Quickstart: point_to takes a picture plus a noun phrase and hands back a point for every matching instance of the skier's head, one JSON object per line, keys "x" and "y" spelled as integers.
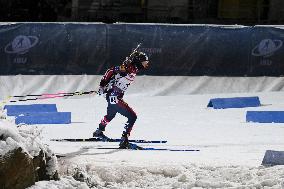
{"x": 140, "y": 60}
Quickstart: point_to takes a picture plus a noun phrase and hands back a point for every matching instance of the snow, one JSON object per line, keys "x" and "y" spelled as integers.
{"x": 231, "y": 150}
{"x": 142, "y": 86}
{"x": 67, "y": 182}
{"x": 26, "y": 138}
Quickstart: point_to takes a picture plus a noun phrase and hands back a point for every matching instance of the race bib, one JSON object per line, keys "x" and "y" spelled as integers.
{"x": 113, "y": 99}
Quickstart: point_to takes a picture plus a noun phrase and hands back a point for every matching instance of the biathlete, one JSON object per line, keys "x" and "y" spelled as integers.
{"x": 113, "y": 85}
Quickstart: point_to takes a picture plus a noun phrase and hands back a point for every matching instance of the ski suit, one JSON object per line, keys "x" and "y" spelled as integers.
{"x": 114, "y": 83}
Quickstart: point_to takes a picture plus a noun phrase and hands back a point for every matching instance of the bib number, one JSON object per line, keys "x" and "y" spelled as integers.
{"x": 113, "y": 99}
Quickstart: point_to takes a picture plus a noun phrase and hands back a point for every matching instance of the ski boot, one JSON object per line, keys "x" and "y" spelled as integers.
{"x": 100, "y": 134}
{"x": 124, "y": 143}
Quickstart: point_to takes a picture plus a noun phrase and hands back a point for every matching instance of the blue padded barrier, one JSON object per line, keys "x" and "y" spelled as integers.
{"x": 44, "y": 118}
{"x": 14, "y": 110}
{"x": 265, "y": 116}
{"x": 237, "y": 102}
{"x": 272, "y": 157}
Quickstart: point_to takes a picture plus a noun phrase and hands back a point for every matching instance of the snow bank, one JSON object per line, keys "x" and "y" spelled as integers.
{"x": 143, "y": 86}
{"x": 28, "y": 138}
{"x": 183, "y": 176}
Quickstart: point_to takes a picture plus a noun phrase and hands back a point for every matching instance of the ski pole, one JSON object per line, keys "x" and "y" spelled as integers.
{"x": 51, "y": 94}
{"x": 46, "y": 96}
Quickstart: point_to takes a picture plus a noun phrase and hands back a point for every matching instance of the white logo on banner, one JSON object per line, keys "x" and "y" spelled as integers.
{"x": 21, "y": 44}
{"x": 267, "y": 47}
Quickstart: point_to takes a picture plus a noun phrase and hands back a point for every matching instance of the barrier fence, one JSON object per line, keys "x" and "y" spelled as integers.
{"x": 186, "y": 50}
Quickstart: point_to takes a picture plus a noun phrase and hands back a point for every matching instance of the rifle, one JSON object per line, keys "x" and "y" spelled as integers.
{"x": 128, "y": 58}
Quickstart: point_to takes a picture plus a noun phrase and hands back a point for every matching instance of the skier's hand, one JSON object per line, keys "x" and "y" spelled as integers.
{"x": 101, "y": 91}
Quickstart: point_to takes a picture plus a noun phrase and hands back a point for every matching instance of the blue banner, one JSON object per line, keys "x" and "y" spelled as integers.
{"x": 190, "y": 50}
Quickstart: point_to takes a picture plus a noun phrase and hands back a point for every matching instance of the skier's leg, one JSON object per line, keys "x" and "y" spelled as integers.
{"x": 111, "y": 112}
{"x": 124, "y": 109}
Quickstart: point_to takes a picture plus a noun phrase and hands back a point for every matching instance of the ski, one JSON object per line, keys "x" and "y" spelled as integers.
{"x": 150, "y": 149}
{"x": 95, "y": 139}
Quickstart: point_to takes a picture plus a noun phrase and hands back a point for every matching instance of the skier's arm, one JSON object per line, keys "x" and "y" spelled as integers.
{"x": 106, "y": 78}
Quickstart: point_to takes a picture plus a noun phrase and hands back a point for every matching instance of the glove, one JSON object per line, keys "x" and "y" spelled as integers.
{"x": 101, "y": 91}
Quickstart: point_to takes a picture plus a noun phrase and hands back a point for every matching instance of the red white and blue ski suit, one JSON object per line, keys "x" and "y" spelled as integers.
{"x": 114, "y": 83}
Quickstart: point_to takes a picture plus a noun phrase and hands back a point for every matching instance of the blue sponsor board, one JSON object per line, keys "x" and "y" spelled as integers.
{"x": 44, "y": 118}
{"x": 273, "y": 157}
{"x": 236, "y": 102}
{"x": 265, "y": 116}
{"x": 14, "y": 110}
